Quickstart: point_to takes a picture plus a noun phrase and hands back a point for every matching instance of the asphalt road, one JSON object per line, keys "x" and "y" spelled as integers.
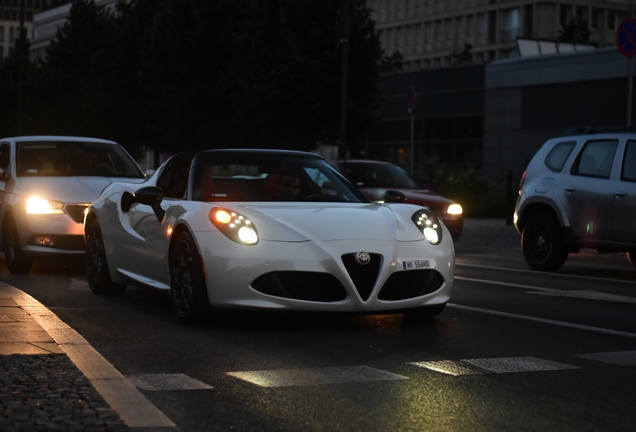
{"x": 515, "y": 350}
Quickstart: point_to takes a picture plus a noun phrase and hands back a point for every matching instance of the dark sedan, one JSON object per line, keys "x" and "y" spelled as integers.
{"x": 374, "y": 178}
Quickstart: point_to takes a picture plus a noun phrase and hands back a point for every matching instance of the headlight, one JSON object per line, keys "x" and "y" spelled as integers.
{"x": 234, "y": 225}
{"x": 35, "y": 205}
{"x": 429, "y": 225}
{"x": 454, "y": 209}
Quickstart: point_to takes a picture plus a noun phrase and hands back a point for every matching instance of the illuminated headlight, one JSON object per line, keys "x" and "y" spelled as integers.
{"x": 36, "y": 205}
{"x": 454, "y": 209}
{"x": 234, "y": 225}
{"x": 429, "y": 225}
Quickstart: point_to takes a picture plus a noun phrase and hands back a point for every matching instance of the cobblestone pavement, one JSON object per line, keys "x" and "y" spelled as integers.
{"x": 47, "y": 392}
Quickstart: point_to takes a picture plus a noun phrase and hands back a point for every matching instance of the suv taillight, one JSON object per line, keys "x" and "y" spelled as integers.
{"x": 523, "y": 177}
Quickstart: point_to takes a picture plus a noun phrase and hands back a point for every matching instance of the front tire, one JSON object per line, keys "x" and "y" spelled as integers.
{"x": 15, "y": 259}
{"x": 187, "y": 281}
{"x": 97, "y": 273}
{"x": 542, "y": 243}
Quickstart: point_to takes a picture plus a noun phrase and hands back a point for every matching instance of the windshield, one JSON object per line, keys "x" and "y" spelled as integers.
{"x": 265, "y": 177}
{"x": 380, "y": 176}
{"x": 69, "y": 159}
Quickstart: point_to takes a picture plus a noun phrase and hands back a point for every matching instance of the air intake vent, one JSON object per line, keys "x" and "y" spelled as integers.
{"x": 76, "y": 211}
{"x": 411, "y": 283}
{"x": 311, "y": 286}
{"x": 363, "y": 276}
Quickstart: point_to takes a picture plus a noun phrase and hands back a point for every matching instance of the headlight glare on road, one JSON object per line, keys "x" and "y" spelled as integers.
{"x": 429, "y": 225}
{"x": 36, "y": 205}
{"x": 234, "y": 225}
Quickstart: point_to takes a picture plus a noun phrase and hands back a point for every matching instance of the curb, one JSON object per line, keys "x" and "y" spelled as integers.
{"x": 123, "y": 397}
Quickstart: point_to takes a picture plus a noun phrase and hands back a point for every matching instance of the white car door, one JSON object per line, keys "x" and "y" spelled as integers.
{"x": 624, "y": 196}
{"x": 586, "y": 191}
{"x": 151, "y": 241}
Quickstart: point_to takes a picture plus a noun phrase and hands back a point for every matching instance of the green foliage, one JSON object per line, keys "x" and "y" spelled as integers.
{"x": 479, "y": 197}
{"x": 190, "y": 74}
{"x": 576, "y": 31}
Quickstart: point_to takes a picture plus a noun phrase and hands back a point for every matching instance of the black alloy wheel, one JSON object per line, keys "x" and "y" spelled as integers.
{"x": 15, "y": 259}
{"x": 542, "y": 243}
{"x": 187, "y": 281}
{"x": 97, "y": 273}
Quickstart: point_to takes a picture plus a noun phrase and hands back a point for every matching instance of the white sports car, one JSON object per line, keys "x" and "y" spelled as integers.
{"x": 267, "y": 229}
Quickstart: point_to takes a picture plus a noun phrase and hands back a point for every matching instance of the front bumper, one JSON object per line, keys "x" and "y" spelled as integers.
{"x": 313, "y": 276}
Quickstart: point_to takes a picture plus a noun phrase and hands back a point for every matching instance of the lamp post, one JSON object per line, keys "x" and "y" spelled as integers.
{"x": 344, "y": 72}
{"x": 20, "y": 48}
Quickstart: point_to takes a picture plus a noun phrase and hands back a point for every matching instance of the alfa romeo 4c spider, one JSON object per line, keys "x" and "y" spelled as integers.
{"x": 266, "y": 229}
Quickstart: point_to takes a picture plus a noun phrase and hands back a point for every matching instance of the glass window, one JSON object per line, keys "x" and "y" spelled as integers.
{"x": 629, "y": 162}
{"x": 69, "y": 159}
{"x": 596, "y": 158}
{"x": 558, "y": 155}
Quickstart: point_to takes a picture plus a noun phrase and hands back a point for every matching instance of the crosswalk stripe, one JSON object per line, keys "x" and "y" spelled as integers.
{"x": 159, "y": 382}
{"x": 315, "y": 376}
{"x": 493, "y": 365}
{"x": 622, "y": 358}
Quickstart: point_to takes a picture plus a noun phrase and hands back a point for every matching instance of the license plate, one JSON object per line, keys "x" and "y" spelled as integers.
{"x": 416, "y": 264}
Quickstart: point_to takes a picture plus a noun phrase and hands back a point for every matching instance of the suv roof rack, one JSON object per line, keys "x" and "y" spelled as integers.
{"x": 590, "y": 130}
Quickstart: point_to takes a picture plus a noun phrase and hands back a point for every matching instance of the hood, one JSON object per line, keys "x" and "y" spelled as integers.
{"x": 327, "y": 223}
{"x": 78, "y": 190}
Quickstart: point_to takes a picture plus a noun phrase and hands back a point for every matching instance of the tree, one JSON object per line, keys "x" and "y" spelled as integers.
{"x": 462, "y": 57}
{"x": 576, "y": 31}
{"x": 191, "y": 74}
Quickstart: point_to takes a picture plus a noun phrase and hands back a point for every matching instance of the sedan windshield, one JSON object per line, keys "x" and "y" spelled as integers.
{"x": 68, "y": 159}
{"x": 380, "y": 176}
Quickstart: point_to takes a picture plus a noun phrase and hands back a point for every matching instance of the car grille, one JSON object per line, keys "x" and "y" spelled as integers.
{"x": 363, "y": 276}
{"x": 409, "y": 284}
{"x": 311, "y": 286}
{"x": 76, "y": 211}
{"x": 67, "y": 242}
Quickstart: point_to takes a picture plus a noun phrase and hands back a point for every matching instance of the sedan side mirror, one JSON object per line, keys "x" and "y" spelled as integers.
{"x": 393, "y": 196}
{"x": 151, "y": 196}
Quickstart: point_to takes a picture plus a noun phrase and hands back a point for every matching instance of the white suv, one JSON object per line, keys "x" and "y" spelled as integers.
{"x": 579, "y": 191}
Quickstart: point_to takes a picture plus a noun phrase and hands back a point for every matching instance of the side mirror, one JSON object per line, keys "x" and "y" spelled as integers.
{"x": 393, "y": 196}
{"x": 151, "y": 196}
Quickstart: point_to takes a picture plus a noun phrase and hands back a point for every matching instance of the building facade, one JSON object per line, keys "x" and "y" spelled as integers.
{"x": 46, "y": 23}
{"x": 10, "y": 11}
{"x": 431, "y": 33}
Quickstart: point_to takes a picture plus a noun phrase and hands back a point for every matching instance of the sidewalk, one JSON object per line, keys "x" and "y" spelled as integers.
{"x": 52, "y": 379}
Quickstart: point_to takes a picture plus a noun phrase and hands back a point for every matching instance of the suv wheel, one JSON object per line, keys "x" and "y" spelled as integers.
{"x": 542, "y": 244}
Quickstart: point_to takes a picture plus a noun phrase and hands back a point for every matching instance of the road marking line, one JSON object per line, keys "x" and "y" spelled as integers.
{"x": 315, "y": 376}
{"x": 131, "y": 405}
{"x": 583, "y": 294}
{"x": 544, "y": 320}
{"x": 493, "y": 365}
{"x": 622, "y": 358}
{"x": 535, "y": 272}
{"x": 160, "y": 382}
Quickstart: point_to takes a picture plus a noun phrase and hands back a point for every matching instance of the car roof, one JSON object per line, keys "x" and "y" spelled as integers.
{"x": 361, "y": 161}
{"x": 262, "y": 152}
{"x": 27, "y": 138}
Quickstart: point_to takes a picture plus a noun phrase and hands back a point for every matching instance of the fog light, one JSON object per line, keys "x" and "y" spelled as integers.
{"x": 44, "y": 241}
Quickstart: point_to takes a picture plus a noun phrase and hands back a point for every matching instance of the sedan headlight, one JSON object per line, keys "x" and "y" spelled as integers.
{"x": 234, "y": 225}
{"x": 35, "y": 205}
{"x": 454, "y": 209}
{"x": 429, "y": 225}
